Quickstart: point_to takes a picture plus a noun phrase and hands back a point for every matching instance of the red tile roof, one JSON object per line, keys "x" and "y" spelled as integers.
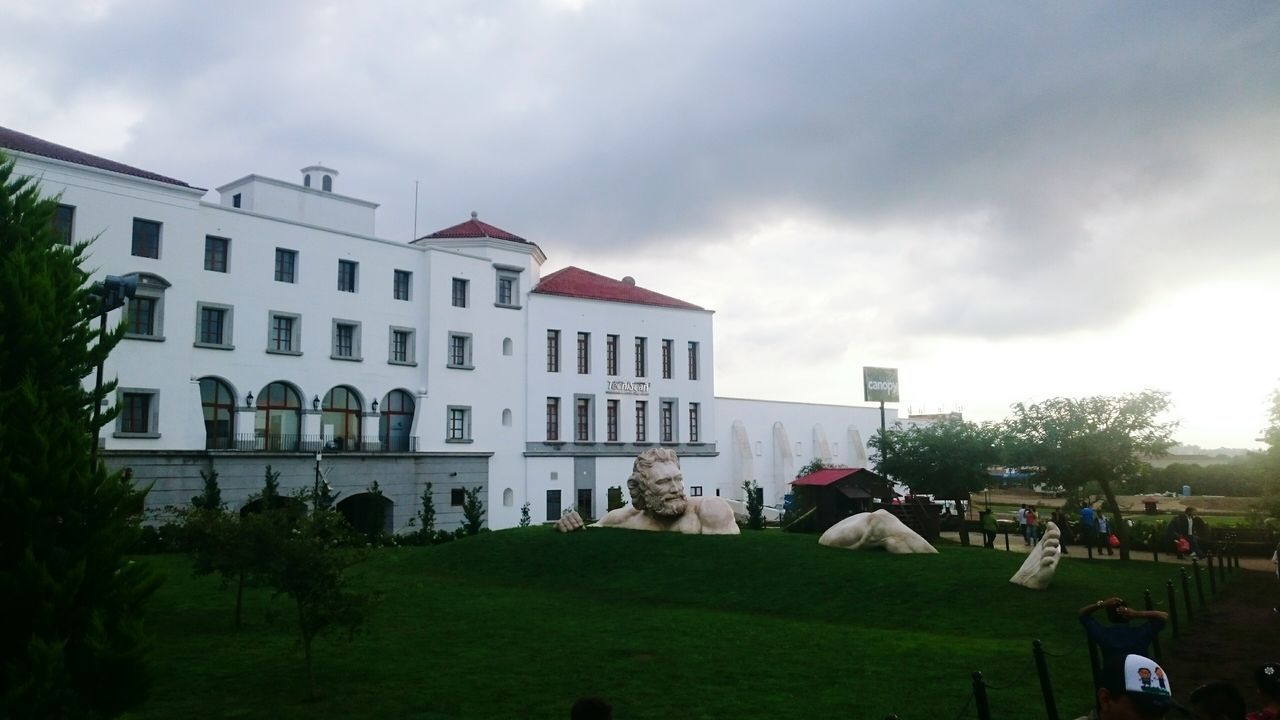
{"x": 21, "y": 142}
{"x": 826, "y": 476}
{"x": 579, "y": 283}
{"x": 475, "y": 228}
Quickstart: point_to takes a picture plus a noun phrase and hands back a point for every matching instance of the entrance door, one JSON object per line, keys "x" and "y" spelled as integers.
{"x": 585, "y": 506}
{"x": 584, "y": 483}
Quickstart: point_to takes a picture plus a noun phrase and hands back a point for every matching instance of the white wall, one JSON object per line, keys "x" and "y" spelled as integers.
{"x": 780, "y": 438}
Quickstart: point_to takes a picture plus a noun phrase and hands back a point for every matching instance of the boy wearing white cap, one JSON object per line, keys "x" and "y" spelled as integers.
{"x": 1134, "y": 687}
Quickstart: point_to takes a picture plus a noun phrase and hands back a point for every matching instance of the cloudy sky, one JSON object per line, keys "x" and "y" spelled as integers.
{"x": 1007, "y": 201}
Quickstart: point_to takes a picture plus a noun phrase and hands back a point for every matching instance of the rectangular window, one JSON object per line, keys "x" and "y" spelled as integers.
{"x": 642, "y": 421}
{"x": 508, "y": 287}
{"x": 642, "y": 346}
{"x": 212, "y": 325}
{"x": 459, "y": 350}
{"x": 695, "y": 491}
{"x": 668, "y": 421}
{"x": 344, "y": 340}
{"x": 401, "y": 280}
{"x": 459, "y": 424}
{"x": 611, "y": 354}
{"x": 135, "y": 413}
{"x": 457, "y": 496}
{"x": 584, "y": 353}
{"x": 553, "y": 419}
{"x": 612, "y": 421}
{"x": 582, "y": 420}
{"x": 142, "y": 316}
{"x": 693, "y": 422}
{"x": 139, "y": 413}
{"x": 146, "y": 238}
{"x": 64, "y": 222}
{"x": 693, "y": 361}
{"x": 401, "y": 346}
{"x": 286, "y": 265}
{"x": 459, "y": 293}
{"x": 553, "y": 505}
{"x": 667, "y": 347}
{"x": 347, "y": 275}
{"x": 553, "y": 351}
{"x": 215, "y": 253}
{"x": 235, "y": 200}
{"x": 284, "y": 333}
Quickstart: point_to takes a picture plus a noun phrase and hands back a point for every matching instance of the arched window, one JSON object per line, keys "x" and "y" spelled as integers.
{"x": 340, "y": 419}
{"x": 326, "y": 183}
{"x": 506, "y": 417}
{"x": 506, "y": 346}
{"x": 278, "y": 422}
{"x": 306, "y": 180}
{"x": 219, "y": 403}
{"x": 508, "y": 498}
{"x": 395, "y": 421}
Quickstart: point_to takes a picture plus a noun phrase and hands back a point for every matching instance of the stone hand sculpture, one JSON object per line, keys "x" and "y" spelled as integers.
{"x": 658, "y": 502}
{"x": 569, "y": 522}
{"x": 879, "y": 529}
{"x": 1037, "y": 571}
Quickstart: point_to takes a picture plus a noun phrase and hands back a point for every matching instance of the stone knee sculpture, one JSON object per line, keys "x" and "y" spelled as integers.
{"x": 879, "y": 529}
{"x": 1037, "y": 570}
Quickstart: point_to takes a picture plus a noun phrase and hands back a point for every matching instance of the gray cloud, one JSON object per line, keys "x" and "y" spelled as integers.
{"x": 633, "y": 125}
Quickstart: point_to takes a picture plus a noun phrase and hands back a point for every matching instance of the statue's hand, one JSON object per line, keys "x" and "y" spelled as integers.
{"x": 570, "y": 522}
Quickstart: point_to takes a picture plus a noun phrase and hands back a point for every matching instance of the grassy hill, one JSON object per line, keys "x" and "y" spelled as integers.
{"x": 519, "y": 623}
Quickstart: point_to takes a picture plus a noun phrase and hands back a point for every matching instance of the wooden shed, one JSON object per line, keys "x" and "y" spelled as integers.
{"x": 837, "y": 493}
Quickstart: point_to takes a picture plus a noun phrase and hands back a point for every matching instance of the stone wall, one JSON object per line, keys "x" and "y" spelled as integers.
{"x": 175, "y": 478}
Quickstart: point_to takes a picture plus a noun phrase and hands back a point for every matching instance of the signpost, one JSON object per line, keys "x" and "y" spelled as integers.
{"x": 880, "y": 385}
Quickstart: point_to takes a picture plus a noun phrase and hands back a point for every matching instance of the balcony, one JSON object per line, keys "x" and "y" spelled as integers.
{"x": 309, "y": 444}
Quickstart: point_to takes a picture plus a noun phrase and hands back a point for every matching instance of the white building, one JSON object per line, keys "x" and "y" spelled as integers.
{"x": 273, "y": 327}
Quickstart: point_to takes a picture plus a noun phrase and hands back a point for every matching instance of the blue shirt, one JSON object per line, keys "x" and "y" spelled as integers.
{"x": 1086, "y": 517}
{"x": 1122, "y": 638}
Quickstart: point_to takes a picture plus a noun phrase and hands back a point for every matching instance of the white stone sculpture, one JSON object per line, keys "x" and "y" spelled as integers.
{"x": 1037, "y": 571}
{"x": 658, "y": 502}
{"x": 879, "y": 529}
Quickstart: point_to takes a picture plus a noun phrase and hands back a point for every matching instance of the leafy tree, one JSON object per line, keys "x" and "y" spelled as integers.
{"x": 524, "y": 515}
{"x": 427, "y": 515}
{"x": 472, "y": 511}
{"x": 755, "y": 505}
{"x": 211, "y": 497}
{"x": 309, "y": 568}
{"x": 1070, "y": 442}
{"x": 949, "y": 458}
{"x": 71, "y": 644}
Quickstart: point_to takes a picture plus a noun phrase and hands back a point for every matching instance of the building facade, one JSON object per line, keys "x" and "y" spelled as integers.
{"x": 271, "y": 326}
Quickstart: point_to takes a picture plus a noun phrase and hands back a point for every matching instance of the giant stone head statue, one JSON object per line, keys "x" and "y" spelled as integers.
{"x": 656, "y": 485}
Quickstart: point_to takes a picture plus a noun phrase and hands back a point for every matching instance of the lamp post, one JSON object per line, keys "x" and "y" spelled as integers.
{"x": 113, "y": 292}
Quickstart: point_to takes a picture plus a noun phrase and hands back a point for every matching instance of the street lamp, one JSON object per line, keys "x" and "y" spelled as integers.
{"x": 113, "y": 292}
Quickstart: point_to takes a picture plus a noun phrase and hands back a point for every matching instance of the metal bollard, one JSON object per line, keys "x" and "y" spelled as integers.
{"x": 1222, "y": 570}
{"x": 1046, "y": 687}
{"x": 1006, "y": 540}
{"x": 1155, "y": 553}
{"x": 1155, "y": 639}
{"x": 1213, "y": 580}
{"x": 1173, "y": 608}
{"x": 1195, "y": 567}
{"x": 980, "y": 697}
{"x": 1090, "y": 549}
{"x": 1186, "y": 595}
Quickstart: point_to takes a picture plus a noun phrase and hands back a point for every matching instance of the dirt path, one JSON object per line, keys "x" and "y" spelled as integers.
{"x": 1237, "y": 633}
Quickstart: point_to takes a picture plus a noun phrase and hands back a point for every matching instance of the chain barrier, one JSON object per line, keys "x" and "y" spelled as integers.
{"x": 964, "y": 709}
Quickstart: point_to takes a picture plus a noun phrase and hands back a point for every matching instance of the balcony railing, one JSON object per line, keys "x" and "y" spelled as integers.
{"x": 273, "y": 442}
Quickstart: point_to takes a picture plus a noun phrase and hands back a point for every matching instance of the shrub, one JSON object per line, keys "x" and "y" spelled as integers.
{"x": 472, "y": 511}
{"x": 755, "y": 505}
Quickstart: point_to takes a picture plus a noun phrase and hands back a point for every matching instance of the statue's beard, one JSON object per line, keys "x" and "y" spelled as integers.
{"x": 666, "y": 507}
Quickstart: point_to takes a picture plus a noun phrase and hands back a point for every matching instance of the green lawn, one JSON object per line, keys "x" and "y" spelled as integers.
{"x": 519, "y": 623}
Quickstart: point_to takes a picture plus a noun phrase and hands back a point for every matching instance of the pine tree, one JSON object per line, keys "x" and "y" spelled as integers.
{"x": 211, "y": 497}
{"x": 427, "y": 515}
{"x": 472, "y": 511}
{"x": 71, "y": 640}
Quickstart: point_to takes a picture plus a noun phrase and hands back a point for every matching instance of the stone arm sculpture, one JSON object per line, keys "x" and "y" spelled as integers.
{"x": 570, "y": 522}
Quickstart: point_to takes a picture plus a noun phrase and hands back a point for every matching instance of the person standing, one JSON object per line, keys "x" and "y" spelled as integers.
{"x": 989, "y": 528}
{"x": 1104, "y": 534}
{"x": 1065, "y": 535}
{"x": 1022, "y": 524}
{"x": 1087, "y": 523}
{"x": 1033, "y": 527}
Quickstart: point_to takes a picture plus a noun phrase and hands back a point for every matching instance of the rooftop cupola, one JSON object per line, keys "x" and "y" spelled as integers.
{"x": 318, "y": 177}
